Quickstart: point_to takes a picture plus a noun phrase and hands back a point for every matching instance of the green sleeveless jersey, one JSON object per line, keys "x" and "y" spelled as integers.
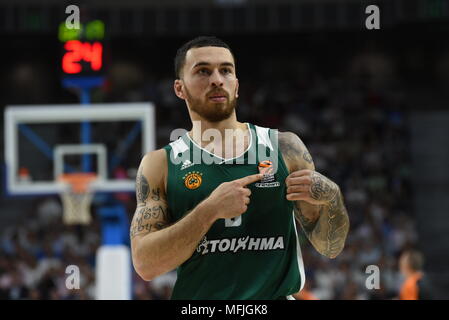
{"x": 253, "y": 256}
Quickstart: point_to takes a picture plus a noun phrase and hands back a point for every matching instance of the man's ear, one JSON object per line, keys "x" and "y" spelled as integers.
{"x": 237, "y": 89}
{"x": 178, "y": 86}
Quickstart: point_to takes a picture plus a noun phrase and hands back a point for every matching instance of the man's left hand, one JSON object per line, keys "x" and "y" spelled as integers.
{"x": 310, "y": 186}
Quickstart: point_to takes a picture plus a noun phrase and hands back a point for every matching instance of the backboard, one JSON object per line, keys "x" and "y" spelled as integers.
{"x": 44, "y": 141}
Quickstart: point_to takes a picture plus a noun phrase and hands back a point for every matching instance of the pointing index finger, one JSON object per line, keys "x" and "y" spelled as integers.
{"x": 249, "y": 179}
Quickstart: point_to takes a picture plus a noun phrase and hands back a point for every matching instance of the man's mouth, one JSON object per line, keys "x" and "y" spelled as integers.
{"x": 218, "y": 98}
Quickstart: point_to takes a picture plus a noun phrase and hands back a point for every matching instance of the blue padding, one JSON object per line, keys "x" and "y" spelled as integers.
{"x": 114, "y": 224}
{"x": 82, "y": 82}
{"x": 86, "y": 131}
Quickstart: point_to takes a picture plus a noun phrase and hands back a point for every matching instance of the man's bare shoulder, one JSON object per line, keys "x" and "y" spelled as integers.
{"x": 156, "y": 157}
{"x": 154, "y": 167}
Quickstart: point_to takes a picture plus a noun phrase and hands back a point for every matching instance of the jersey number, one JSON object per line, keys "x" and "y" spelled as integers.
{"x": 233, "y": 222}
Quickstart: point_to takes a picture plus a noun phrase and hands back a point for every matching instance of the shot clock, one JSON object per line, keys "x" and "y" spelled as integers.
{"x": 83, "y": 49}
{"x": 82, "y": 57}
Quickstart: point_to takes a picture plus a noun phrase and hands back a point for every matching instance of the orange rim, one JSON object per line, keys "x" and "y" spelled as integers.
{"x": 79, "y": 181}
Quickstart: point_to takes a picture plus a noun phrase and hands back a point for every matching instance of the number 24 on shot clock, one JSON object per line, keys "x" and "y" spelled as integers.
{"x": 83, "y": 49}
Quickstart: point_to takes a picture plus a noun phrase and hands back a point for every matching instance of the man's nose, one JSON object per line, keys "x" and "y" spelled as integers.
{"x": 216, "y": 79}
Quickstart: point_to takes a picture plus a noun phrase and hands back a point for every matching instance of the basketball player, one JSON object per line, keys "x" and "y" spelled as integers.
{"x": 229, "y": 227}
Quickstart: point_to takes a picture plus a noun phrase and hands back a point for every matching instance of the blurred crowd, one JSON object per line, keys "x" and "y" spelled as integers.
{"x": 355, "y": 127}
{"x": 35, "y": 254}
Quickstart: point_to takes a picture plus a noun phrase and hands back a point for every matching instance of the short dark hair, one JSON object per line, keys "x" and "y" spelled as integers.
{"x": 198, "y": 42}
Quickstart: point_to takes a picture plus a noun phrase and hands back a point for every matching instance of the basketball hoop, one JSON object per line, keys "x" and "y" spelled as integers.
{"x": 76, "y": 198}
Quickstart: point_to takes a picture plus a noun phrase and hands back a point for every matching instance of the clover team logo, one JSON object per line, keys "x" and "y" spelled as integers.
{"x": 193, "y": 180}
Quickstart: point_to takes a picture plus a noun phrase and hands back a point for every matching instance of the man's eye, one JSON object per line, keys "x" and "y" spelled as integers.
{"x": 226, "y": 70}
{"x": 203, "y": 71}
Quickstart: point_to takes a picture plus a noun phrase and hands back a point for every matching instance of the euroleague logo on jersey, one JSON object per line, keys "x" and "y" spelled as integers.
{"x": 193, "y": 180}
{"x": 265, "y": 167}
{"x": 268, "y": 180}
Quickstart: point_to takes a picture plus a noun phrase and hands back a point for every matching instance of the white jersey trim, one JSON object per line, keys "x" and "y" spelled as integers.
{"x": 264, "y": 137}
{"x": 225, "y": 160}
{"x": 299, "y": 256}
{"x": 178, "y": 146}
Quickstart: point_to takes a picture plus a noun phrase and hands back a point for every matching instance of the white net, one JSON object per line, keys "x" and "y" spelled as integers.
{"x": 77, "y": 198}
{"x": 76, "y": 207}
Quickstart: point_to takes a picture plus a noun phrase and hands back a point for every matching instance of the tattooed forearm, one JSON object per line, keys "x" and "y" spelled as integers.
{"x": 328, "y": 233}
{"x": 331, "y": 229}
{"x": 337, "y": 226}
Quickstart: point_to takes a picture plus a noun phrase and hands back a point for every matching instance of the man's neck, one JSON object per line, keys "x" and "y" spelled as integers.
{"x": 200, "y": 124}
{"x": 213, "y": 135}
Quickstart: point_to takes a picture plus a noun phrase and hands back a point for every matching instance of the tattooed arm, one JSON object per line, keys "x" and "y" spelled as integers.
{"x": 158, "y": 247}
{"x": 319, "y": 205}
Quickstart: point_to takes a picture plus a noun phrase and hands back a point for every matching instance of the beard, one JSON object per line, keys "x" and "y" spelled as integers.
{"x": 212, "y": 111}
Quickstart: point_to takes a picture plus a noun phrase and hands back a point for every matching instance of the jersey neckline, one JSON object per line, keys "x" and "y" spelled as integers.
{"x": 223, "y": 160}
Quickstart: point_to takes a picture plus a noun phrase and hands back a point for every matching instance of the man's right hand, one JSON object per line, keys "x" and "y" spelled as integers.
{"x": 231, "y": 199}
